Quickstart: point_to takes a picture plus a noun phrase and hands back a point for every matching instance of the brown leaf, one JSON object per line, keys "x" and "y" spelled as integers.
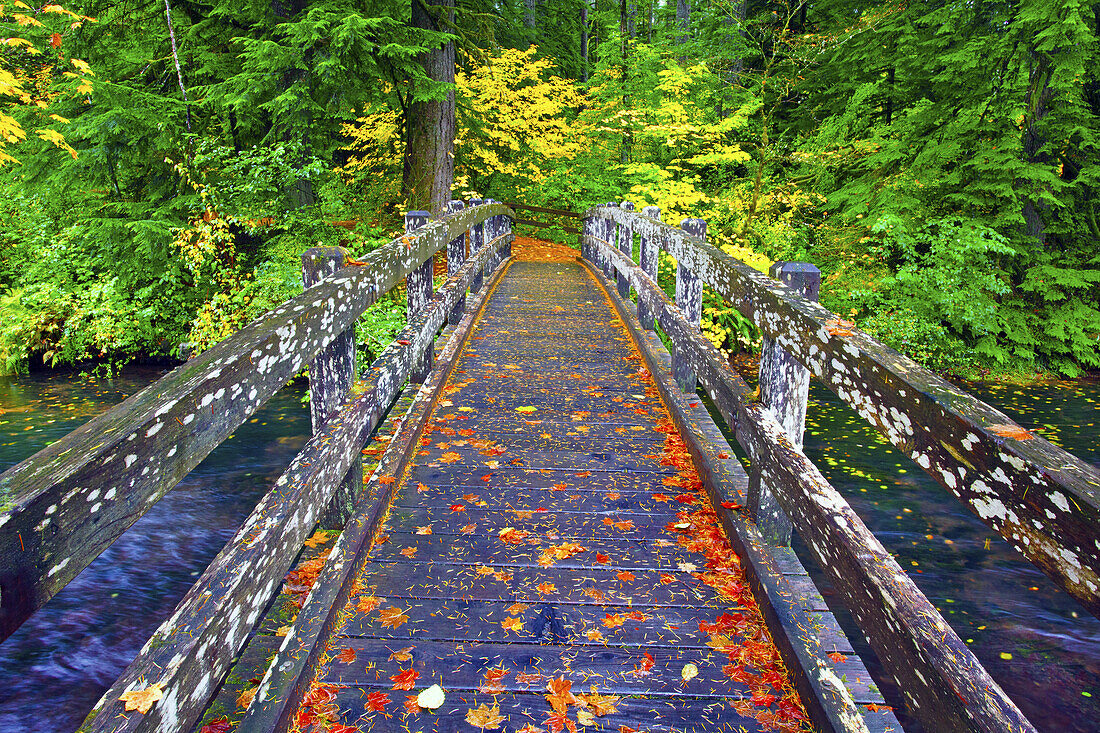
{"x": 245, "y": 698}
{"x": 560, "y": 697}
{"x": 392, "y": 617}
{"x": 450, "y": 457}
{"x": 1010, "y": 431}
{"x": 485, "y": 717}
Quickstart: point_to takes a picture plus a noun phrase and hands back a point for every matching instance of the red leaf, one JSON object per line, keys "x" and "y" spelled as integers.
{"x": 347, "y": 656}
{"x": 377, "y": 701}
{"x": 404, "y": 680}
{"x": 217, "y": 725}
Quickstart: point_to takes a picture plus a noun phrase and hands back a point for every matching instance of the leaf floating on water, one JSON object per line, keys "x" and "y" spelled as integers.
{"x": 142, "y": 700}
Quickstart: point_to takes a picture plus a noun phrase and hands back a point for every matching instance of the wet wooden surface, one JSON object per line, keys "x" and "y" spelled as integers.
{"x": 548, "y": 530}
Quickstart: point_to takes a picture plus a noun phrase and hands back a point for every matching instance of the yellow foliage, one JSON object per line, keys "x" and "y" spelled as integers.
{"x": 525, "y": 116}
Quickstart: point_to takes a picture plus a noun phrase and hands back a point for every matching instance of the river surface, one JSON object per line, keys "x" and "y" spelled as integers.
{"x": 1040, "y": 645}
{"x": 59, "y": 662}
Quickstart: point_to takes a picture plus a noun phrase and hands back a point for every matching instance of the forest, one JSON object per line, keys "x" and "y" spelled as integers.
{"x": 165, "y": 163}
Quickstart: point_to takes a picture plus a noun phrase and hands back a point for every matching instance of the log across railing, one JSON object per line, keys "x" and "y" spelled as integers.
{"x": 1039, "y": 497}
{"x": 67, "y": 503}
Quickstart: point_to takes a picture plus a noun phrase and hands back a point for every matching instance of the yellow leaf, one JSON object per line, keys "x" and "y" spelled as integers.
{"x": 142, "y": 700}
{"x": 431, "y": 698}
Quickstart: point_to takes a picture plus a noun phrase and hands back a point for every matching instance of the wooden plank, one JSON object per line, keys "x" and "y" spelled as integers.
{"x": 1043, "y": 500}
{"x": 651, "y": 714}
{"x": 193, "y": 649}
{"x": 594, "y": 496}
{"x": 947, "y": 686}
{"x": 287, "y": 679}
{"x": 581, "y": 624}
{"x": 62, "y": 506}
{"x": 801, "y": 626}
{"x": 568, "y": 525}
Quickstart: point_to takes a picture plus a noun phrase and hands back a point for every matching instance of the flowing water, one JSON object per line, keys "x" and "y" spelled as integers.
{"x": 56, "y": 666}
{"x": 1041, "y": 646}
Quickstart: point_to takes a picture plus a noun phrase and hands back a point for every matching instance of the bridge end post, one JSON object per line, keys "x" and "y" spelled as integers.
{"x": 647, "y": 258}
{"x": 331, "y": 375}
{"x": 626, "y": 246}
{"x": 785, "y": 390}
{"x": 609, "y": 237}
{"x": 418, "y": 292}
{"x": 689, "y": 299}
{"x": 477, "y": 241}
{"x": 456, "y": 256}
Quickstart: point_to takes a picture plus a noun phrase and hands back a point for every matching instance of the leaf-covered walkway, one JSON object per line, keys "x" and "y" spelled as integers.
{"x": 550, "y": 558}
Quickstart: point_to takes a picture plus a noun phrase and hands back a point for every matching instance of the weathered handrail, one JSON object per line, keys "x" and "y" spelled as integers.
{"x": 62, "y": 507}
{"x": 193, "y": 650}
{"x": 1043, "y": 500}
{"x": 945, "y": 685}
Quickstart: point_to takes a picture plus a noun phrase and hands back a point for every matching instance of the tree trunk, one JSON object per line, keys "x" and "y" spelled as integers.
{"x": 529, "y": 13}
{"x": 683, "y": 20}
{"x": 584, "y": 40}
{"x": 624, "y": 33}
{"x": 1038, "y": 101}
{"x": 298, "y": 191}
{"x": 430, "y": 125}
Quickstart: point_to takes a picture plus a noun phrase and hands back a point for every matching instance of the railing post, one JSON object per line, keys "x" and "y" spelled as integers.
{"x": 689, "y": 299}
{"x": 647, "y": 258}
{"x": 587, "y": 229}
{"x": 608, "y": 236}
{"x": 492, "y": 231}
{"x": 456, "y": 255}
{"x": 785, "y": 390}
{"x": 477, "y": 241}
{"x": 418, "y": 291}
{"x": 331, "y": 375}
{"x": 626, "y": 246}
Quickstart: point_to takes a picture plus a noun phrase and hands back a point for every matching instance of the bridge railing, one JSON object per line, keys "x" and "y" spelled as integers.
{"x": 1040, "y": 498}
{"x": 67, "y": 503}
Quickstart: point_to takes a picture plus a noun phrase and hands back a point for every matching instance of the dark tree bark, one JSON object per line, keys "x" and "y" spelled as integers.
{"x": 430, "y": 125}
{"x": 625, "y": 23}
{"x": 1038, "y": 104}
{"x": 529, "y": 13}
{"x": 584, "y": 40}
{"x": 683, "y": 19}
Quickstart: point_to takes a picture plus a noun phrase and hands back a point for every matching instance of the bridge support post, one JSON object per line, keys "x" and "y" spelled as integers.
{"x": 477, "y": 241}
{"x": 456, "y": 255}
{"x": 331, "y": 375}
{"x": 418, "y": 291}
{"x": 492, "y": 231}
{"x": 647, "y": 258}
{"x": 689, "y": 299}
{"x": 626, "y": 246}
{"x": 609, "y": 237}
{"x": 785, "y": 390}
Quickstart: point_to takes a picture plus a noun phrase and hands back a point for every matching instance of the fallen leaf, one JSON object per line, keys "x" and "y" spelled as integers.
{"x": 245, "y": 698}
{"x": 431, "y": 698}
{"x": 467, "y": 528}
{"x": 426, "y": 529}
{"x": 560, "y": 697}
{"x": 402, "y": 655}
{"x": 377, "y": 701}
{"x": 142, "y": 700}
{"x": 319, "y": 537}
{"x": 601, "y": 704}
{"x": 512, "y": 623}
{"x": 408, "y": 551}
{"x": 613, "y": 620}
{"x": 347, "y": 656}
{"x": 516, "y": 608}
{"x": 1010, "y": 431}
{"x": 491, "y": 684}
{"x": 547, "y": 588}
{"x": 404, "y": 680}
{"x": 625, "y": 576}
{"x": 387, "y": 480}
{"x": 456, "y": 508}
{"x": 837, "y": 657}
{"x": 527, "y": 409}
{"x": 282, "y": 631}
{"x": 689, "y": 672}
{"x": 217, "y": 725}
{"x": 594, "y": 635}
{"x": 450, "y": 457}
{"x": 512, "y": 536}
{"x": 392, "y": 617}
{"x": 485, "y": 717}
{"x": 367, "y": 604}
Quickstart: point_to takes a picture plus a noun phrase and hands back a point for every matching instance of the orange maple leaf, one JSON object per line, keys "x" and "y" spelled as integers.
{"x": 666, "y": 578}
{"x": 613, "y": 620}
{"x": 142, "y": 700}
{"x": 402, "y": 655}
{"x": 485, "y": 717}
{"x": 625, "y": 525}
{"x": 347, "y": 656}
{"x": 387, "y": 480}
{"x": 456, "y": 508}
{"x": 626, "y": 576}
{"x": 560, "y": 697}
{"x": 512, "y": 623}
{"x": 491, "y": 685}
{"x": 404, "y": 680}
{"x": 1010, "y": 431}
{"x": 467, "y": 528}
{"x": 516, "y": 608}
{"x": 367, "y": 604}
{"x": 377, "y": 701}
{"x": 547, "y": 588}
{"x": 450, "y": 457}
{"x": 408, "y": 551}
{"x": 392, "y": 617}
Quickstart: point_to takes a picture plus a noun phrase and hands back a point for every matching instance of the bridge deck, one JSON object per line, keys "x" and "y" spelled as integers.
{"x": 552, "y": 528}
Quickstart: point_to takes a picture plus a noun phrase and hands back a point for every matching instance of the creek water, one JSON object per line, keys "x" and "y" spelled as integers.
{"x": 1040, "y": 645}
{"x": 60, "y": 661}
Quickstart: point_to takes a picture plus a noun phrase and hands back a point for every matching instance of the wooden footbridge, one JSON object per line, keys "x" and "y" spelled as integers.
{"x": 552, "y": 533}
